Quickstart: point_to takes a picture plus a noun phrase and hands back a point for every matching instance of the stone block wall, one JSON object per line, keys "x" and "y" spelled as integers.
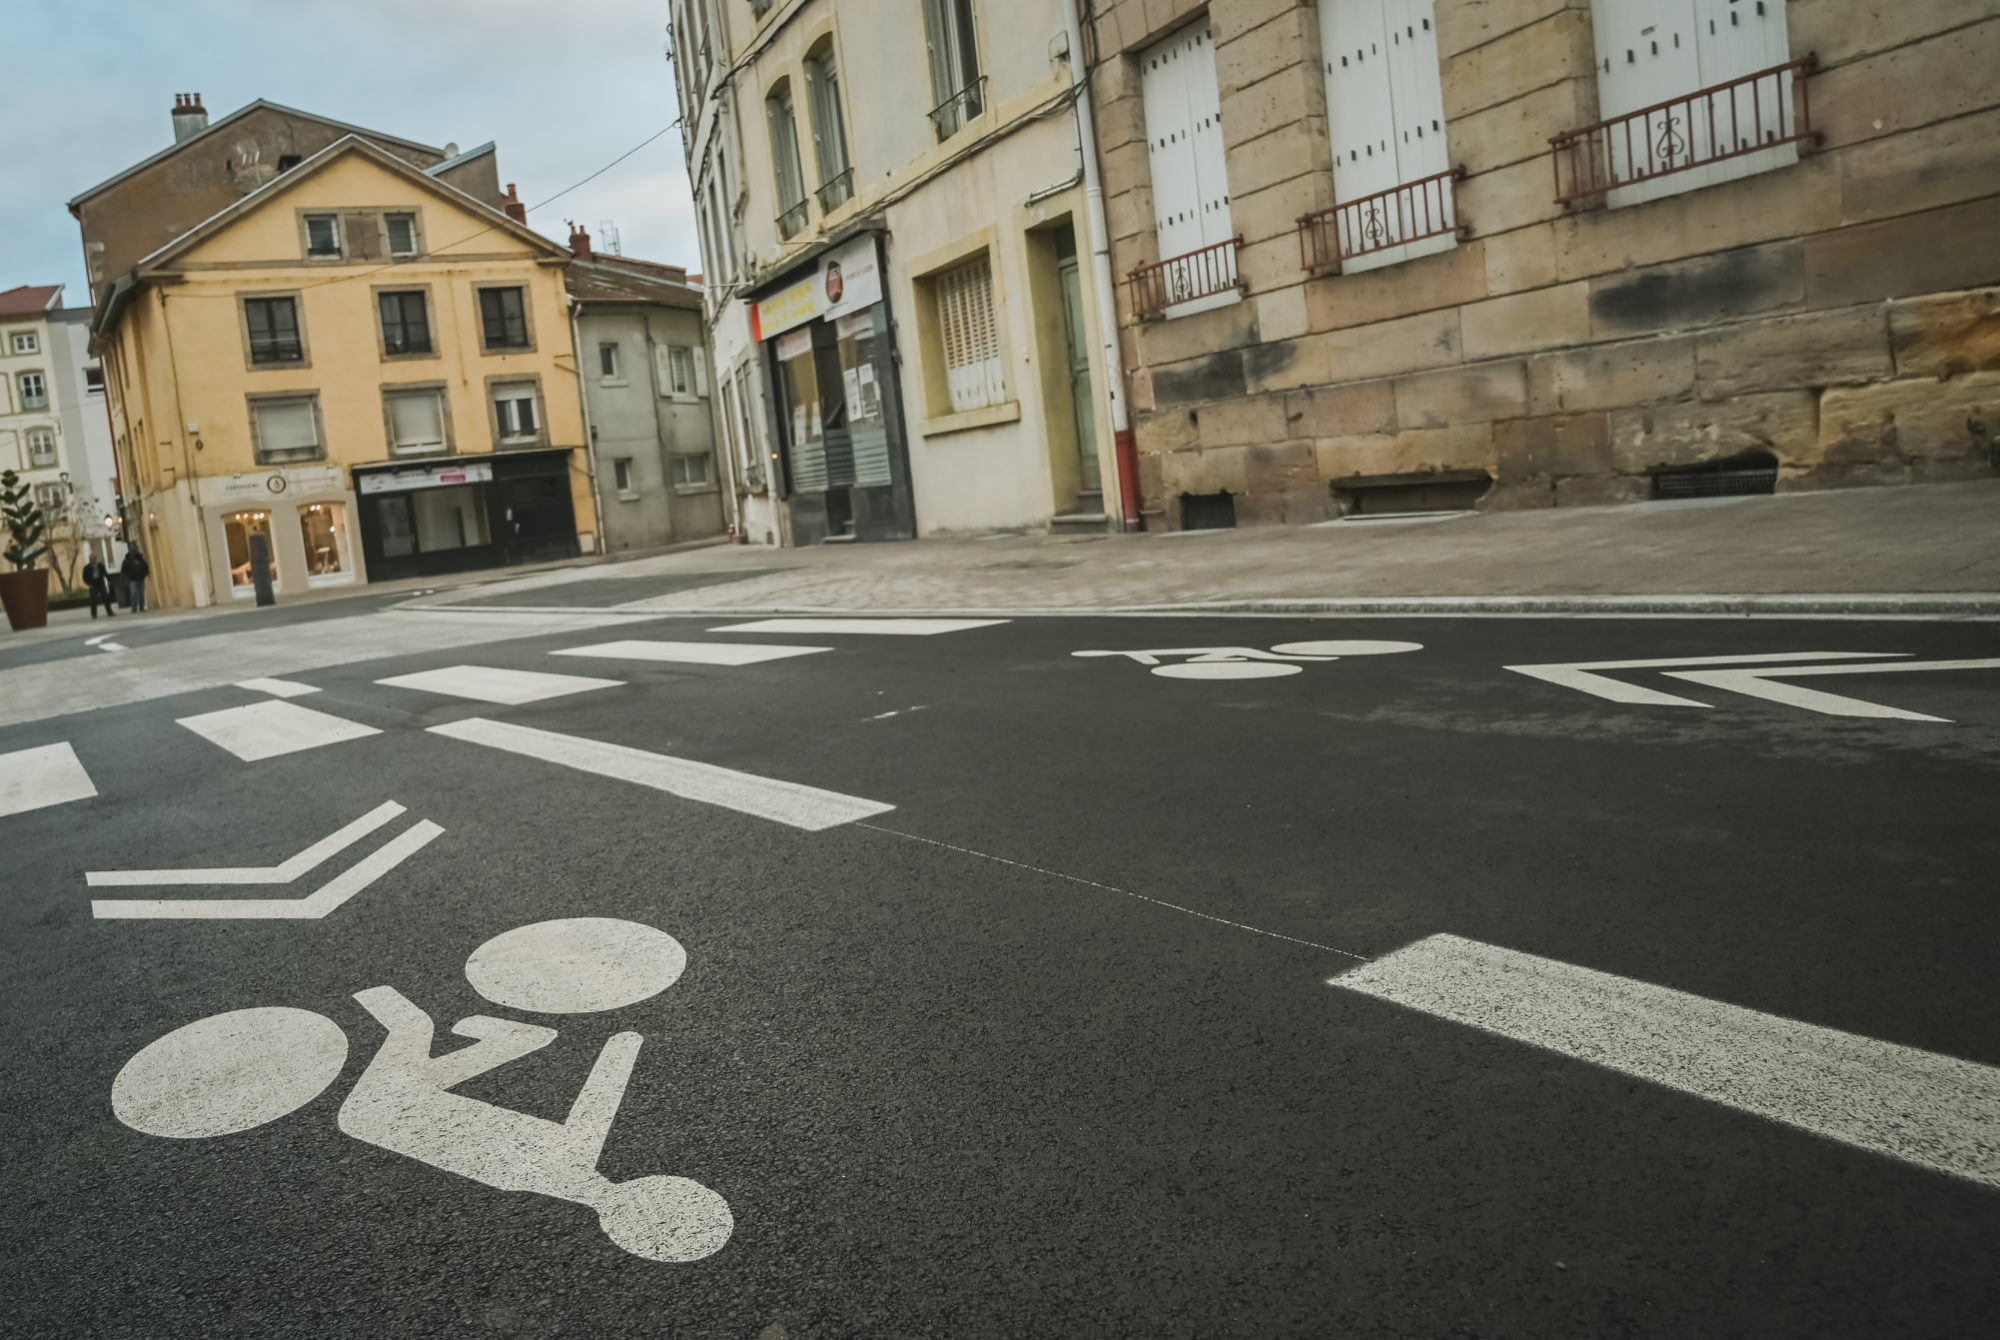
{"x": 1841, "y": 313}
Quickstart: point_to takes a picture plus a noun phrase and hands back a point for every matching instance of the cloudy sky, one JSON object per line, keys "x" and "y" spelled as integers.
{"x": 564, "y": 88}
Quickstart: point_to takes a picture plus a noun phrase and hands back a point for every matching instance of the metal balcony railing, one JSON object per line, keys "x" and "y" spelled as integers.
{"x": 794, "y": 219}
{"x": 1178, "y": 279}
{"x": 1758, "y": 112}
{"x": 950, "y": 115}
{"x": 835, "y": 191}
{"x": 1412, "y": 212}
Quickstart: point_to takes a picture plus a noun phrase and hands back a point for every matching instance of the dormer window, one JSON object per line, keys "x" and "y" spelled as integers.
{"x": 323, "y": 236}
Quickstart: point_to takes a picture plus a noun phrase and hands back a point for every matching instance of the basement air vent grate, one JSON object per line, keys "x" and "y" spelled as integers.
{"x": 1743, "y": 476}
{"x": 1208, "y": 511}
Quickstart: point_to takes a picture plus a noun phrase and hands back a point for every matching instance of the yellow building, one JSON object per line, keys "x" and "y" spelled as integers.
{"x": 356, "y": 368}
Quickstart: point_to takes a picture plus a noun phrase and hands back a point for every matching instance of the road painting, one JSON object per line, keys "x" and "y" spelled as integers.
{"x": 1287, "y": 658}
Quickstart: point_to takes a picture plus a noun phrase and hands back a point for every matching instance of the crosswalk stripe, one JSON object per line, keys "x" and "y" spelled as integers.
{"x": 277, "y": 688}
{"x": 789, "y": 803}
{"x": 34, "y": 779}
{"x": 266, "y": 730}
{"x": 1938, "y": 1112}
{"x": 491, "y": 684}
{"x": 690, "y": 653}
{"x": 871, "y": 627}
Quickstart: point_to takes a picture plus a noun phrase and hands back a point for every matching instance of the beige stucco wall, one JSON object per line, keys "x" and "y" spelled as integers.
{"x": 179, "y": 373}
{"x": 1839, "y": 313}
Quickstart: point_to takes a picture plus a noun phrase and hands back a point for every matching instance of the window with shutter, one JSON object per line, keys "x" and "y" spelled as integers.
{"x": 1653, "y": 51}
{"x": 1385, "y": 108}
{"x": 970, "y": 336}
{"x": 1185, "y": 152}
{"x": 416, "y": 422}
{"x": 286, "y": 429}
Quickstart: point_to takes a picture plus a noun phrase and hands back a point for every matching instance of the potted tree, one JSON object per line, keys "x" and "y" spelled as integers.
{"x": 24, "y": 591}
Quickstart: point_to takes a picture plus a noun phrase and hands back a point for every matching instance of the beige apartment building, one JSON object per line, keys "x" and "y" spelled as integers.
{"x": 909, "y": 301}
{"x": 1388, "y": 255}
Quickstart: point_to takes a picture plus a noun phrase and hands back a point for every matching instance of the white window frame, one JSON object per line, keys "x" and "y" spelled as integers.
{"x": 621, "y": 476}
{"x": 609, "y": 370}
{"x": 968, "y": 325}
{"x": 397, "y": 447}
{"x": 291, "y": 455}
{"x": 40, "y": 392}
{"x": 683, "y": 375}
{"x": 514, "y": 393}
{"x": 389, "y": 236}
{"x": 332, "y": 221}
{"x": 681, "y": 460}
{"x": 26, "y": 342}
{"x": 53, "y": 455}
{"x": 1184, "y": 150}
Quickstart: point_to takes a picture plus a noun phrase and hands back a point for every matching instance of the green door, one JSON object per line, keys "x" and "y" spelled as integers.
{"x": 1079, "y": 370}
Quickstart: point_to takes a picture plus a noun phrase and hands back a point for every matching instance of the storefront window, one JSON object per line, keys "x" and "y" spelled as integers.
{"x": 237, "y": 530}
{"x": 323, "y": 527}
{"x": 865, "y": 422}
{"x": 453, "y": 518}
{"x": 800, "y": 384}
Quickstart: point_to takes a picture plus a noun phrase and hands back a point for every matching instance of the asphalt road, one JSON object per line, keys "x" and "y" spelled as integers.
{"x": 1058, "y": 1045}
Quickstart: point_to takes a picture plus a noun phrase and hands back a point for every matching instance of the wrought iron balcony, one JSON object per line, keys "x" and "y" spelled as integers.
{"x": 950, "y": 116}
{"x": 794, "y": 219}
{"x": 1411, "y": 212}
{"x": 1756, "y": 113}
{"x": 836, "y": 191}
{"x": 1197, "y": 274}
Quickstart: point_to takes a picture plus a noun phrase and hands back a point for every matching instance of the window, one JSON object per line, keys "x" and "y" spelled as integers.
{"x": 286, "y": 162}
{"x": 792, "y": 212}
{"x": 93, "y": 379}
{"x": 34, "y": 391}
{"x": 1654, "y": 51}
{"x": 514, "y": 413}
{"x": 274, "y": 330}
{"x": 970, "y": 337}
{"x": 957, "y": 93}
{"x": 621, "y": 472}
{"x": 503, "y": 316}
{"x": 1385, "y": 108}
{"x": 41, "y": 448}
{"x": 692, "y": 472}
{"x": 836, "y": 177}
{"x": 323, "y": 529}
{"x": 27, "y": 342}
{"x": 682, "y": 375}
{"x": 51, "y": 498}
{"x": 285, "y": 429}
{"x": 406, "y": 324}
{"x": 238, "y": 530}
{"x": 1184, "y": 151}
{"x": 402, "y": 230}
{"x": 323, "y": 236}
{"x": 753, "y": 446}
{"x": 607, "y": 361}
{"x": 416, "y": 421}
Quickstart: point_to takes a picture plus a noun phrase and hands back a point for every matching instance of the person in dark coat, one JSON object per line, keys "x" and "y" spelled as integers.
{"x": 136, "y": 570}
{"x": 98, "y": 578}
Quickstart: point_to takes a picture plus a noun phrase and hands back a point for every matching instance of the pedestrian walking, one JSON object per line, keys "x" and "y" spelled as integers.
{"x": 136, "y": 570}
{"x": 98, "y": 578}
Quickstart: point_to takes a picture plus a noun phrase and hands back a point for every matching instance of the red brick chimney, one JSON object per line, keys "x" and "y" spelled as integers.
{"x": 579, "y": 242}
{"x": 190, "y": 117}
{"x": 516, "y": 211}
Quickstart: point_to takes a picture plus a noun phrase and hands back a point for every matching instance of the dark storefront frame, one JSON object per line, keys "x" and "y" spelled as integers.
{"x": 525, "y": 514}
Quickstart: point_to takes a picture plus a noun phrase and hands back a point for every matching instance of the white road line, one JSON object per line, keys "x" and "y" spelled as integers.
{"x": 788, "y": 803}
{"x": 1578, "y": 675}
{"x": 266, "y": 730}
{"x": 34, "y": 779}
{"x": 101, "y": 637}
{"x": 690, "y": 653}
{"x": 306, "y": 861}
{"x": 1760, "y": 684}
{"x": 309, "y": 908}
{"x": 112, "y": 646}
{"x": 490, "y": 684}
{"x": 872, "y": 627}
{"x": 1938, "y": 1112}
{"x": 277, "y": 688}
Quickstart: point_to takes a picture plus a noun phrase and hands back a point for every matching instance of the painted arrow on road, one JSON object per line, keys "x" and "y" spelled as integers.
{"x": 1754, "y": 677}
{"x": 1759, "y": 684}
{"x": 1583, "y": 677}
{"x": 311, "y": 907}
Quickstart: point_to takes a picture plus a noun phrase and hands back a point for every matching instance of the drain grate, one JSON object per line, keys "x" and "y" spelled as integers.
{"x": 1208, "y": 511}
{"x": 1738, "y": 477}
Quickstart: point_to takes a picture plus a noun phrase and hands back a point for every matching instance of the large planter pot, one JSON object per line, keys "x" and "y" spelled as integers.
{"x": 26, "y": 596}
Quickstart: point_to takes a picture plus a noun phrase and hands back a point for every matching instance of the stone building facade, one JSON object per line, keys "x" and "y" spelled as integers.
{"x": 1816, "y": 310}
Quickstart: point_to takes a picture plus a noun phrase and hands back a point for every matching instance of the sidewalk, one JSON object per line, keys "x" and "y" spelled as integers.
{"x": 1938, "y": 543}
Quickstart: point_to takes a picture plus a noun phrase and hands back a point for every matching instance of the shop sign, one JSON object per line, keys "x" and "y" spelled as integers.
{"x": 848, "y": 279}
{"x": 437, "y": 477}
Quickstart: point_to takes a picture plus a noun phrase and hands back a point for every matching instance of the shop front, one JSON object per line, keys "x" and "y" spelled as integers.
{"x": 467, "y": 513}
{"x": 303, "y": 517}
{"x": 843, "y": 459}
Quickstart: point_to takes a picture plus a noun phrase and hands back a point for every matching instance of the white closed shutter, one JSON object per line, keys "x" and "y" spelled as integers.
{"x": 418, "y": 420}
{"x": 1653, "y": 51}
{"x": 1385, "y": 103}
{"x": 287, "y": 430}
{"x": 1188, "y": 159}
{"x": 970, "y": 335}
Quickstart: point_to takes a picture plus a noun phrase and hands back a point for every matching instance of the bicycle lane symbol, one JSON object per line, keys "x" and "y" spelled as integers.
{"x": 1287, "y": 658}
{"x": 232, "y": 1072}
